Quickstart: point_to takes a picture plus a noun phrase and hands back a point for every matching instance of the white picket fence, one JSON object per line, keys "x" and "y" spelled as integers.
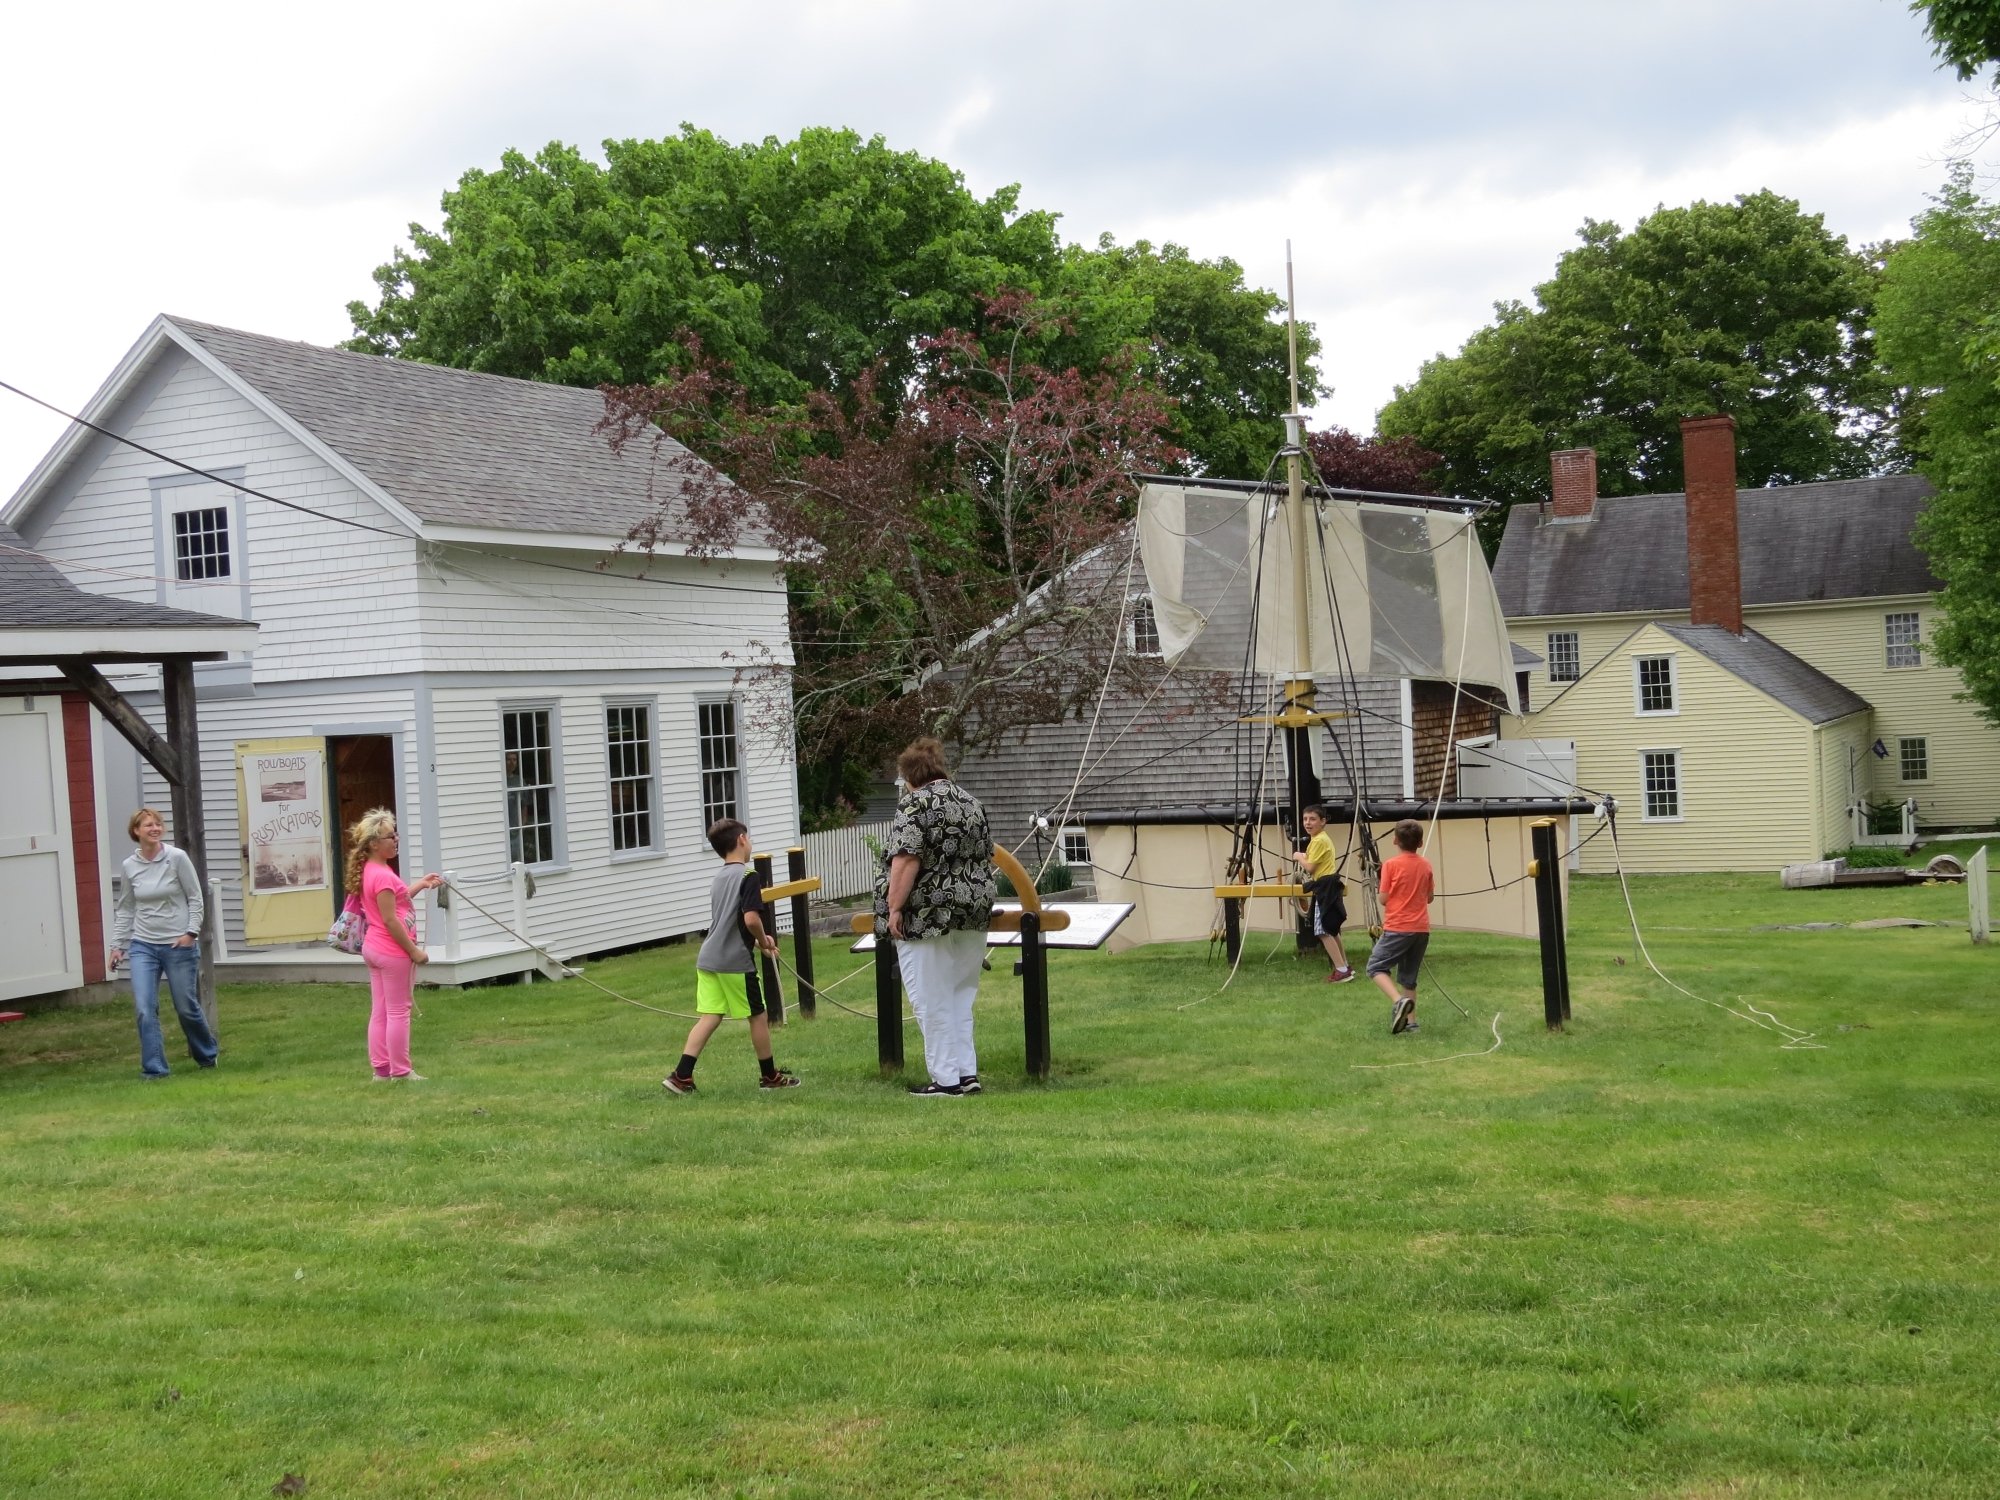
{"x": 846, "y": 859}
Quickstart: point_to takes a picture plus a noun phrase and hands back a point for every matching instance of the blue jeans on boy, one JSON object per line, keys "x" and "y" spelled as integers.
{"x": 182, "y": 968}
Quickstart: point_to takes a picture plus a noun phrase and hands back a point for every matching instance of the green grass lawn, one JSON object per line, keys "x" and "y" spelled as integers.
{"x": 1654, "y": 1255}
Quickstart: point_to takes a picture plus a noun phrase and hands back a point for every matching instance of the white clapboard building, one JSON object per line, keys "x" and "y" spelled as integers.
{"x": 443, "y": 628}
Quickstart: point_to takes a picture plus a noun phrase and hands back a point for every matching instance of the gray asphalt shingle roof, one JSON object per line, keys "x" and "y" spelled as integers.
{"x": 1772, "y": 670}
{"x": 1844, "y": 539}
{"x": 456, "y": 447}
{"x": 35, "y": 595}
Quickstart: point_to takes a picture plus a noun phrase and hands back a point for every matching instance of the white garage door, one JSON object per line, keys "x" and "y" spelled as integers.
{"x": 39, "y": 948}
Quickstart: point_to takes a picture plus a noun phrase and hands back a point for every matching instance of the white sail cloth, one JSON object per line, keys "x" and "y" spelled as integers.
{"x": 1391, "y": 591}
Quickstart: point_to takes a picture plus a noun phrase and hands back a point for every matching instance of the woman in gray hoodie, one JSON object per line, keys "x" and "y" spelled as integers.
{"x": 158, "y": 926}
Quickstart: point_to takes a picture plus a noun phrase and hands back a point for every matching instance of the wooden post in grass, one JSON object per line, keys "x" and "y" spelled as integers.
{"x": 1546, "y": 867}
{"x": 1035, "y": 995}
{"x": 1232, "y": 928}
{"x": 802, "y": 938}
{"x": 1977, "y": 900}
{"x": 774, "y": 998}
{"x": 888, "y": 1008}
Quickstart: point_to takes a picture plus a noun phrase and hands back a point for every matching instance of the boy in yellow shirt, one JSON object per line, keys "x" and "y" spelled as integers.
{"x": 1325, "y": 890}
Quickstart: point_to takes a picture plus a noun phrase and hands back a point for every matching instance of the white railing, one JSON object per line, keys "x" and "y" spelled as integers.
{"x": 846, "y": 859}
{"x": 1857, "y": 815}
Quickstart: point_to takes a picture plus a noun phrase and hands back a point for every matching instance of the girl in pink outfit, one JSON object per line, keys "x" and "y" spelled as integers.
{"x": 390, "y": 948}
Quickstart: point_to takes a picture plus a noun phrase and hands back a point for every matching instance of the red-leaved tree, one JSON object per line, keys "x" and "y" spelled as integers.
{"x": 932, "y": 535}
{"x": 1348, "y": 461}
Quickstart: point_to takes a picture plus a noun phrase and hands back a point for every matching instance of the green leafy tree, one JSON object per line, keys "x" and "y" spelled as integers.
{"x": 1939, "y": 325}
{"x": 1964, "y": 33}
{"x": 799, "y": 265}
{"x": 1751, "y": 308}
{"x": 1216, "y": 346}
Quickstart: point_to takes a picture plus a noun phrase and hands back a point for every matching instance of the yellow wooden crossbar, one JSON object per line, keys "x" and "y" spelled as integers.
{"x": 790, "y": 888}
{"x": 1249, "y": 892}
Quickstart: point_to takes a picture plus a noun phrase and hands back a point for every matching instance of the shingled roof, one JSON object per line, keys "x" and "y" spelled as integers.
{"x": 35, "y": 595}
{"x": 456, "y": 447}
{"x": 1772, "y": 670}
{"x": 1844, "y": 539}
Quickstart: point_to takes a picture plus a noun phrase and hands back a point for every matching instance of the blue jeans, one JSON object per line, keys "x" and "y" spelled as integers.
{"x": 182, "y": 968}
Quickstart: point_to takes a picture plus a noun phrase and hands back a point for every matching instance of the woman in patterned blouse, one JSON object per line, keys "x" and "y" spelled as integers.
{"x": 934, "y": 899}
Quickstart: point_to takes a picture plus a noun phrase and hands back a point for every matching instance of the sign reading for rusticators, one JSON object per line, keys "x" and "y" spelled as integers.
{"x": 285, "y": 808}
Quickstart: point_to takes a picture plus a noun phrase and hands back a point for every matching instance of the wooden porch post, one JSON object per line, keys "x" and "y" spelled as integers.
{"x": 190, "y": 827}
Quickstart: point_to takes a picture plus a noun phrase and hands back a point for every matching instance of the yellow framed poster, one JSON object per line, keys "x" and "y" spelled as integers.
{"x": 288, "y": 841}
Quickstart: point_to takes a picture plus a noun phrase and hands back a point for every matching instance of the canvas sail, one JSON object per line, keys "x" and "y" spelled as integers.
{"x": 1392, "y": 591}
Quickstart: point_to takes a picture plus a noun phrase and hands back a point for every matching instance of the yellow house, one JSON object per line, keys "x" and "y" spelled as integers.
{"x": 1828, "y": 574}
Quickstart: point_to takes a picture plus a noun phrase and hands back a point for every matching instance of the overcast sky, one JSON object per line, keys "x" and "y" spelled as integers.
{"x": 249, "y": 164}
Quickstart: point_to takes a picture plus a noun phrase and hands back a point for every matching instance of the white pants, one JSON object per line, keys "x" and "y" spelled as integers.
{"x": 942, "y": 976}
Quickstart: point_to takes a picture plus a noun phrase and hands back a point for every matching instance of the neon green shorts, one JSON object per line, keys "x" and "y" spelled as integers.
{"x": 737, "y": 996}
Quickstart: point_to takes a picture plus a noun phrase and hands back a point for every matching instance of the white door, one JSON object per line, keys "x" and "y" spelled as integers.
{"x": 40, "y": 951}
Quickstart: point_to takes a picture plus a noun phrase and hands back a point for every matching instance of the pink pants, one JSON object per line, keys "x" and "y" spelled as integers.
{"x": 392, "y": 978}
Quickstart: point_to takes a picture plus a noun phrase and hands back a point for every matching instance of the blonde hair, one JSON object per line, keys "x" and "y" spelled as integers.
{"x": 132, "y": 823}
{"x": 375, "y": 824}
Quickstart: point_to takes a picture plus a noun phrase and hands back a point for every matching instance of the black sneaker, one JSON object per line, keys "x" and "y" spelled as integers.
{"x": 673, "y": 1083}
{"x": 1399, "y": 1018}
{"x": 938, "y": 1091}
{"x": 969, "y": 1084}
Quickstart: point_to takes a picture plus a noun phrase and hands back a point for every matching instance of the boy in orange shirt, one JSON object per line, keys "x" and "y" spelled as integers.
{"x": 1408, "y": 885}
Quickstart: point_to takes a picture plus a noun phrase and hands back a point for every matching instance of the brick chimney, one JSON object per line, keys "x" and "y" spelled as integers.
{"x": 1715, "y": 576}
{"x": 1573, "y": 480}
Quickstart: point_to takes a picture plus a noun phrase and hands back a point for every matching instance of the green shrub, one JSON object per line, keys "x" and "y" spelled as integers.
{"x": 1055, "y": 878}
{"x": 1873, "y": 857}
{"x": 1885, "y": 817}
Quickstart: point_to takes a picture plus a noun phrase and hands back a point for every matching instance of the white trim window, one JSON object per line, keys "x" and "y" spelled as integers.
{"x": 1903, "y": 638}
{"x": 1142, "y": 629}
{"x": 1913, "y": 758}
{"x": 1660, "y": 786}
{"x": 1655, "y": 688}
{"x": 1565, "y": 655}
{"x": 529, "y": 762}
{"x": 1076, "y": 848}
{"x": 629, "y": 760}
{"x": 715, "y": 728}
{"x": 201, "y": 544}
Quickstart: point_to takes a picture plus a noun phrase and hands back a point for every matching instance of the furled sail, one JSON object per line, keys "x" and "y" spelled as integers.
{"x": 1391, "y": 590}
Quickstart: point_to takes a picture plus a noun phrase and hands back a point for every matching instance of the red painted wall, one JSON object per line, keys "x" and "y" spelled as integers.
{"x": 82, "y": 767}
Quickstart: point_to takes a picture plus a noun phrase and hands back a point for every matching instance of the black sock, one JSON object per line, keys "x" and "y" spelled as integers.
{"x": 685, "y": 1067}
{"x": 768, "y": 1066}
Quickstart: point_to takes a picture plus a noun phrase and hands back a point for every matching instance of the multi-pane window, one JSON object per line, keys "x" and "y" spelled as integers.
{"x": 717, "y": 726}
{"x": 201, "y": 544}
{"x": 1903, "y": 634}
{"x": 1075, "y": 847}
{"x": 1142, "y": 635}
{"x": 1660, "y": 771}
{"x": 1913, "y": 757}
{"x": 1564, "y": 656}
{"x": 628, "y": 747}
{"x": 528, "y": 747}
{"x": 1655, "y": 676}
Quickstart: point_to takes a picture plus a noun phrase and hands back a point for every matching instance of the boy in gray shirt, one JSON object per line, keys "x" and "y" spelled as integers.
{"x": 726, "y": 968}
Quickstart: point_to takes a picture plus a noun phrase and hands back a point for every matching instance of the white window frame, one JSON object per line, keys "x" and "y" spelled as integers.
{"x": 1575, "y": 639}
{"x": 1903, "y": 760}
{"x": 1914, "y": 645}
{"x": 1132, "y": 647}
{"x": 558, "y": 859}
{"x": 1672, "y": 660}
{"x": 178, "y": 495}
{"x": 1680, "y": 785}
{"x": 1074, "y": 831}
{"x": 703, "y": 772}
{"x": 654, "y": 847}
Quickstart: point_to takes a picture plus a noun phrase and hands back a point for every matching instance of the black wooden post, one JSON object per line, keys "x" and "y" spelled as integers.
{"x": 802, "y": 937}
{"x": 1035, "y": 995}
{"x": 774, "y": 998}
{"x": 1232, "y": 928}
{"x": 888, "y": 1008}
{"x": 190, "y": 826}
{"x": 1547, "y": 870}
